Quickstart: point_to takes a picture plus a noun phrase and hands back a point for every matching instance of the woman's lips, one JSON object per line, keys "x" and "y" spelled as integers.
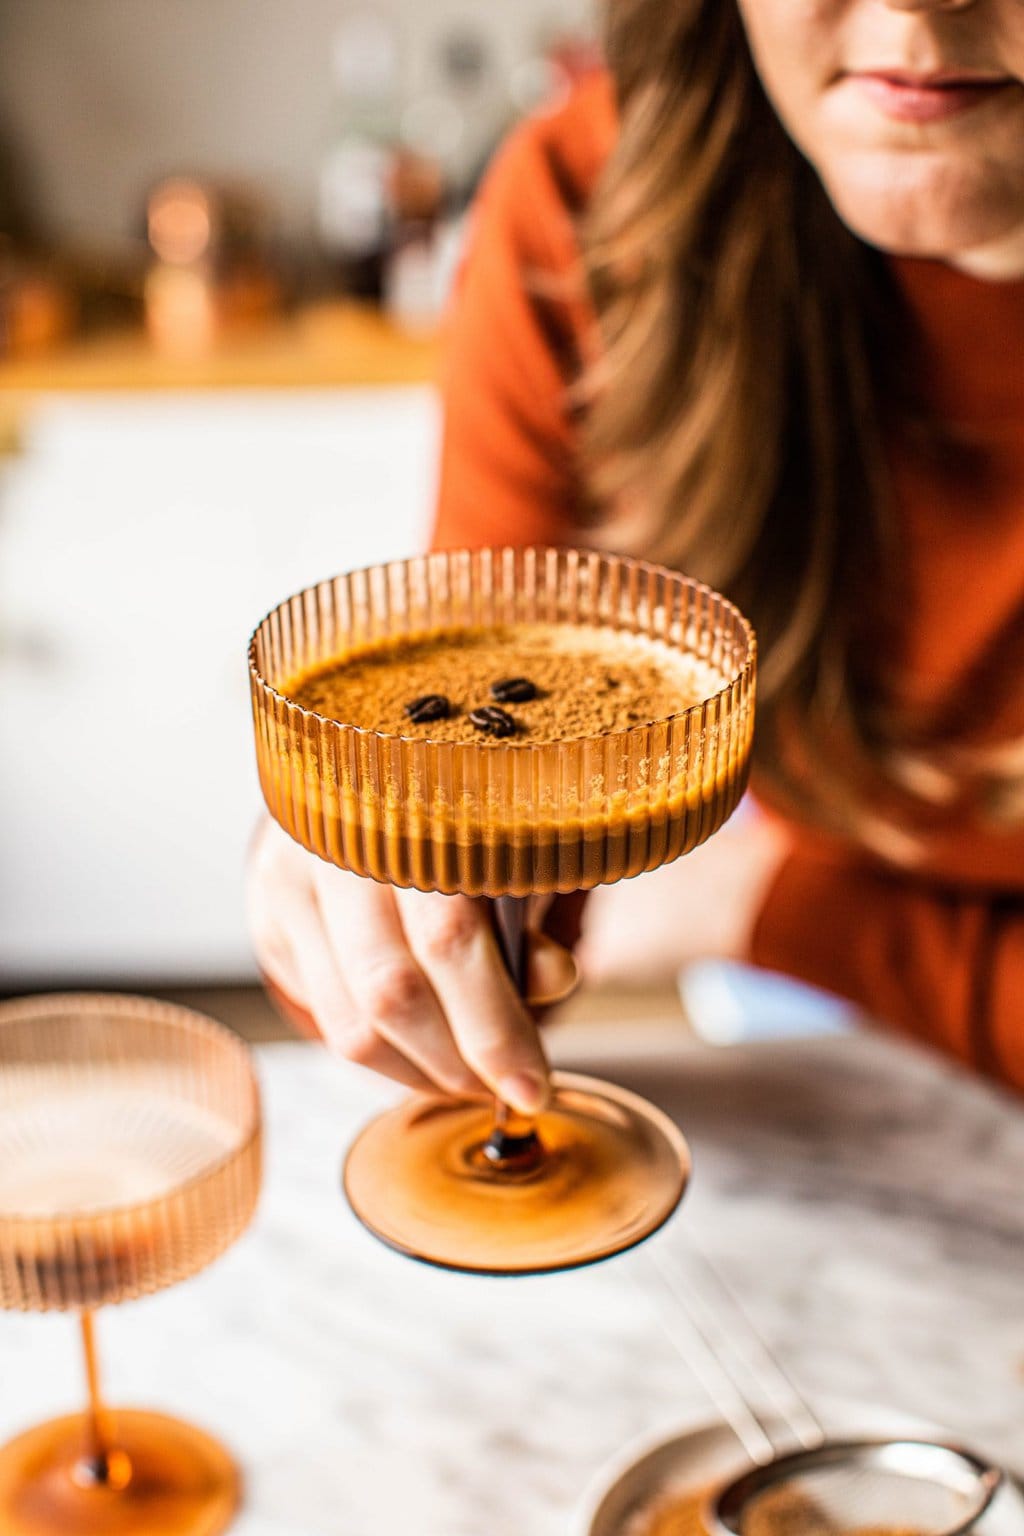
{"x": 927, "y": 98}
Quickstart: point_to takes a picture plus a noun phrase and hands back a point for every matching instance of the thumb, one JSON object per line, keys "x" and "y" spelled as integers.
{"x": 551, "y": 972}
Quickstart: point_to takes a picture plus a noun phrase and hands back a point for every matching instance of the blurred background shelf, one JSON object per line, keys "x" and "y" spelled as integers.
{"x": 329, "y": 345}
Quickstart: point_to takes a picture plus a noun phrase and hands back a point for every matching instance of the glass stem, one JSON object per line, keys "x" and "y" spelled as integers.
{"x": 513, "y": 1141}
{"x": 101, "y": 1461}
{"x": 509, "y": 918}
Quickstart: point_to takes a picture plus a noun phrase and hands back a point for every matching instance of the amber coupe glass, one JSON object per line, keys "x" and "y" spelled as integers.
{"x": 129, "y": 1159}
{"x": 442, "y": 1180}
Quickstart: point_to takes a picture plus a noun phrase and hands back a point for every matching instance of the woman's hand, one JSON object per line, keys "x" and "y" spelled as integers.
{"x": 407, "y": 983}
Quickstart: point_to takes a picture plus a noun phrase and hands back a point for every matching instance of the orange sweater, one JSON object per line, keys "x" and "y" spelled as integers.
{"x": 940, "y": 953}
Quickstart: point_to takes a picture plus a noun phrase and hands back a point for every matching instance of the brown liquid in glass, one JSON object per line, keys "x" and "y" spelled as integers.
{"x": 531, "y": 858}
{"x": 459, "y": 847}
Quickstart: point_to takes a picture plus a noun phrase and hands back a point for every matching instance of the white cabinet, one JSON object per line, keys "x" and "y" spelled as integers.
{"x": 141, "y": 539}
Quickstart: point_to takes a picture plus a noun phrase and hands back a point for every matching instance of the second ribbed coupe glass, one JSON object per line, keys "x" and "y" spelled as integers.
{"x": 459, "y": 1182}
{"x": 130, "y": 1136}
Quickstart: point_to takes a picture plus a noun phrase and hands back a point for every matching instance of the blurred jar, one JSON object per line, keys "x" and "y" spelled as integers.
{"x": 37, "y": 308}
{"x": 211, "y": 272}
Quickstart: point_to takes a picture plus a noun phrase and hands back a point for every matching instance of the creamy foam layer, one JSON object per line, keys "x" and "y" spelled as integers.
{"x": 588, "y": 681}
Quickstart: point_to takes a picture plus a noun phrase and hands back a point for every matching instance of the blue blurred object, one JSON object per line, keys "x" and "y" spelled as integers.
{"x": 732, "y": 1004}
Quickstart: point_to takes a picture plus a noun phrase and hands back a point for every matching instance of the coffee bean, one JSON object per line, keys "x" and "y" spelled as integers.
{"x": 430, "y": 706}
{"x": 494, "y": 721}
{"x": 514, "y": 690}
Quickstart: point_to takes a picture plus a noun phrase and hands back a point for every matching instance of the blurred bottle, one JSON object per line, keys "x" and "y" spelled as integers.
{"x": 356, "y": 217}
{"x": 37, "y": 306}
{"x": 446, "y": 135}
{"x": 475, "y": 101}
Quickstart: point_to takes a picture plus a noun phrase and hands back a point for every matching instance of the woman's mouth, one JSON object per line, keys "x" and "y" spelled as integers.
{"x": 908, "y": 97}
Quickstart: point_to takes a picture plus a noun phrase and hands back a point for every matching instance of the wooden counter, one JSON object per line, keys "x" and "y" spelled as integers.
{"x": 328, "y": 345}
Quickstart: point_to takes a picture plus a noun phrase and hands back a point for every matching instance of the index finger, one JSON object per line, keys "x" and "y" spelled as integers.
{"x": 452, "y": 939}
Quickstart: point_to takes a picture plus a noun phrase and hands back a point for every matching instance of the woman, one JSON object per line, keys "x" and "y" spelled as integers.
{"x": 754, "y": 305}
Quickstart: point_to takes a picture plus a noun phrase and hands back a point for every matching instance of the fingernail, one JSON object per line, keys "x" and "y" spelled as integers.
{"x": 553, "y": 975}
{"x": 525, "y": 1091}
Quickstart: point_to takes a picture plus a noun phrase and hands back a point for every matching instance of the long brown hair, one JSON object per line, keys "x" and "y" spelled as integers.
{"x": 733, "y": 421}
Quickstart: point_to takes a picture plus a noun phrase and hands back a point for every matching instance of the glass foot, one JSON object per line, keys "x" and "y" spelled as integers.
{"x": 165, "y": 1479}
{"x": 604, "y": 1171}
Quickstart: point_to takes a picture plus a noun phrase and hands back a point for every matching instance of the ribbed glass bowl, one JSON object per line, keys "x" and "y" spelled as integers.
{"x": 500, "y": 817}
{"x": 129, "y": 1147}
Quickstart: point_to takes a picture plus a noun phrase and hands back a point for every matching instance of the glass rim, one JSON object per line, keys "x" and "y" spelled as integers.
{"x": 189, "y": 1019}
{"x": 648, "y": 567}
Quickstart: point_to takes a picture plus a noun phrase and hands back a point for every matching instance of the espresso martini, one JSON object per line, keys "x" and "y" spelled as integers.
{"x": 502, "y": 723}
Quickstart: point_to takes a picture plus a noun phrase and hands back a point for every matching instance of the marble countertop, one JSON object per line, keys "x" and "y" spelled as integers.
{"x": 864, "y": 1201}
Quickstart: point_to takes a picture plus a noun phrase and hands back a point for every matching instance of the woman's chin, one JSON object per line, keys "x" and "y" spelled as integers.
{"x": 920, "y": 210}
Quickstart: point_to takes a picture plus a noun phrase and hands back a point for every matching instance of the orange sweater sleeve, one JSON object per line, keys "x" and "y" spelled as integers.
{"x": 942, "y": 966}
{"x": 509, "y": 470}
